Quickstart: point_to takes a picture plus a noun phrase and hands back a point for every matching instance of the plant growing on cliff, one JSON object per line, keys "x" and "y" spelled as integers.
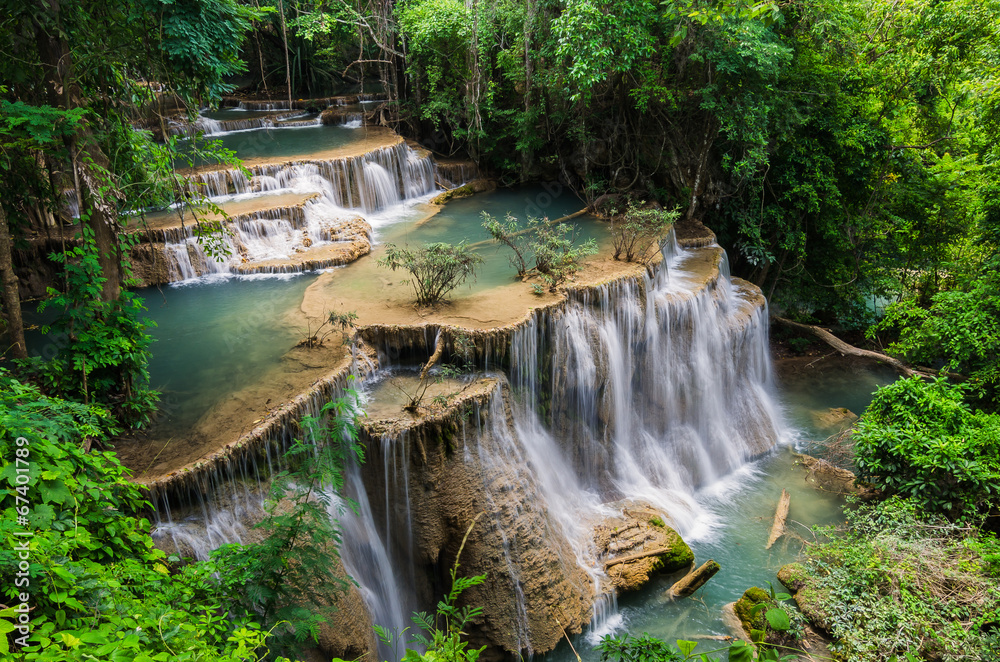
{"x": 445, "y": 629}
{"x": 335, "y": 321}
{"x": 636, "y": 234}
{"x": 435, "y": 270}
{"x": 290, "y": 578}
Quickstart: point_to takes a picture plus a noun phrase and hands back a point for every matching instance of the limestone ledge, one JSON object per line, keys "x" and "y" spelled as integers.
{"x": 268, "y": 433}
{"x": 491, "y": 346}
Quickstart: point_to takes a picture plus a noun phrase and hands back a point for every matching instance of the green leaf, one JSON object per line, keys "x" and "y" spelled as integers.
{"x": 778, "y": 619}
{"x": 686, "y": 647}
{"x": 741, "y": 651}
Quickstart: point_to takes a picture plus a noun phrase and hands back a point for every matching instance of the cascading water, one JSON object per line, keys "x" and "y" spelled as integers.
{"x": 643, "y": 390}
{"x": 370, "y": 183}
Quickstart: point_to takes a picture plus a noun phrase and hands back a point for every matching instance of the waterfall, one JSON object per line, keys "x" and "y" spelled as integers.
{"x": 645, "y": 389}
{"x": 371, "y": 183}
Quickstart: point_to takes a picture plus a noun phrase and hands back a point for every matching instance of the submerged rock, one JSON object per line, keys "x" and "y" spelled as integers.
{"x": 835, "y": 419}
{"x": 827, "y": 477}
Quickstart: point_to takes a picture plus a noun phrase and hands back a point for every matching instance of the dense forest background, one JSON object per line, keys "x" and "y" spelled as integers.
{"x": 844, "y": 152}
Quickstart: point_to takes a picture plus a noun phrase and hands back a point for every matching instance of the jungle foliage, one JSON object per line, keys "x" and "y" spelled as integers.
{"x": 844, "y": 151}
{"x": 896, "y": 584}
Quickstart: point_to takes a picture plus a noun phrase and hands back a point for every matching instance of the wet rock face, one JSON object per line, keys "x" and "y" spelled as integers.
{"x": 348, "y": 634}
{"x": 460, "y": 467}
{"x": 637, "y": 546}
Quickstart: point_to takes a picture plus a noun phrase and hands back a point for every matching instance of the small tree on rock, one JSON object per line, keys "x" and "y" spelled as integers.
{"x": 637, "y": 232}
{"x": 436, "y": 269}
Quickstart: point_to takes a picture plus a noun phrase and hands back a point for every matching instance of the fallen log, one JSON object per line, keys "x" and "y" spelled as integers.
{"x": 780, "y": 515}
{"x": 636, "y": 557}
{"x": 851, "y": 350}
{"x": 694, "y": 580}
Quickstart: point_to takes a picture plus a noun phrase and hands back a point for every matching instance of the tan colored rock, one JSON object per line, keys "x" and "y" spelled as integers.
{"x": 458, "y": 466}
{"x": 638, "y": 545}
{"x": 348, "y": 633}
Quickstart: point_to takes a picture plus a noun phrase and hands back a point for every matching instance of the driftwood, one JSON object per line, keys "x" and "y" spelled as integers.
{"x": 694, "y": 580}
{"x": 780, "y": 515}
{"x": 851, "y": 350}
{"x": 435, "y": 357}
{"x": 636, "y": 557}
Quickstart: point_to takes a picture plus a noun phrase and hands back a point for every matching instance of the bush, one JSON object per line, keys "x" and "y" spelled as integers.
{"x": 107, "y": 351}
{"x": 921, "y": 440}
{"x": 896, "y": 585}
{"x": 99, "y": 589}
{"x": 960, "y": 330}
{"x": 637, "y": 232}
{"x": 290, "y": 577}
{"x": 550, "y": 246}
{"x": 436, "y": 269}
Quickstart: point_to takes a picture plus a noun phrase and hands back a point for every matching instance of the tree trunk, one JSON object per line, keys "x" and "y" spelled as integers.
{"x": 780, "y": 515}
{"x": 11, "y": 298}
{"x": 88, "y": 159}
{"x": 529, "y": 18}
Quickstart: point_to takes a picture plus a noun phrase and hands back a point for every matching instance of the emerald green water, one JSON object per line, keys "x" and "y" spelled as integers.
{"x": 290, "y": 143}
{"x": 461, "y": 220}
{"x": 215, "y": 337}
{"x": 218, "y": 335}
{"x": 743, "y": 508}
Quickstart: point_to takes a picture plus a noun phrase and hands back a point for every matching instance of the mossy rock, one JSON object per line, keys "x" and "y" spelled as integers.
{"x": 475, "y": 186}
{"x": 752, "y": 597}
{"x": 679, "y": 557}
{"x": 793, "y": 576}
{"x": 463, "y": 191}
{"x": 810, "y": 601}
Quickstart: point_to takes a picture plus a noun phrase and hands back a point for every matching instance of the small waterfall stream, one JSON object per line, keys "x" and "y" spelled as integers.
{"x": 370, "y": 183}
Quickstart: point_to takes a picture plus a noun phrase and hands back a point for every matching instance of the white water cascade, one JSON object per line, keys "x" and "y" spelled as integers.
{"x": 645, "y": 389}
{"x": 369, "y": 183}
{"x": 638, "y": 391}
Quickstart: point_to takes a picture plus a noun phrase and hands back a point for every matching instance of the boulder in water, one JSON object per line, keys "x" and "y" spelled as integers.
{"x": 637, "y": 545}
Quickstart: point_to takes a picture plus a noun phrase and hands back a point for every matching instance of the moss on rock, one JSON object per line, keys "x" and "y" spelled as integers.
{"x": 752, "y": 597}
{"x": 793, "y": 576}
{"x": 677, "y": 558}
